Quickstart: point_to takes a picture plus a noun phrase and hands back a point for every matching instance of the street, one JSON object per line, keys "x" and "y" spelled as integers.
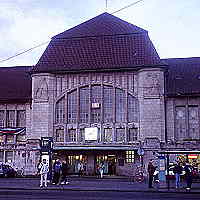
{"x": 91, "y": 195}
{"x": 91, "y": 188}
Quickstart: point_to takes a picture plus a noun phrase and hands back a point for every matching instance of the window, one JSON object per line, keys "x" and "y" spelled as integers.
{"x": 82, "y": 134}
{"x": 60, "y": 135}
{"x": 84, "y": 104}
{"x": 193, "y": 122}
{"x": 132, "y": 109}
{"x": 2, "y": 118}
{"x": 21, "y": 137}
{"x": 60, "y": 111}
{"x": 132, "y": 136}
{"x": 187, "y": 117}
{"x": 96, "y": 104}
{"x": 108, "y": 135}
{"x": 72, "y": 135}
{"x": 9, "y": 156}
{"x": 180, "y": 122}
{"x": 108, "y": 103}
{"x": 10, "y": 118}
{"x": 130, "y": 156}
{"x": 72, "y": 107}
{"x": 9, "y": 138}
{"x": 21, "y": 118}
{"x": 1, "y": 156}
{"x": 120, "y": 133}
{"x": 120, "y": 105}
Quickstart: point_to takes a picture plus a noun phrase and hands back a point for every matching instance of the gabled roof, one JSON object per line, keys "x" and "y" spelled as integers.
{"x": 15, "y": 84}
{"x": 104, "y": 42}
{"x": 183, "y": 77}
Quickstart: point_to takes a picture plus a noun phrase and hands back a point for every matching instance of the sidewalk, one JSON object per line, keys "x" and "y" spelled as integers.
{"x": 112, "y": 183}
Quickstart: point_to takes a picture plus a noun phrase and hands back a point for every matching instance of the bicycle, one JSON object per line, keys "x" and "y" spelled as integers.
{"x": 139, "y": 175}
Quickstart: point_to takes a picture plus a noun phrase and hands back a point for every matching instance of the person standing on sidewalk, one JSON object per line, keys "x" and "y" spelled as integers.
{"x": 57, "y": 172}
{"x": 188, "y": 175}
{"x": 44, "y": 169}
{"x": 151, "y": 169}
{"x": 177, "y": 171}
{"x": 64, "y": 169}
{"x": 80, "y": 168}
{"x": 101, "y": 169}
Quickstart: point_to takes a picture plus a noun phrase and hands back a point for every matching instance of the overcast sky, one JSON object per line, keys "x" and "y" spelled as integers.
{"x": 173, "y": 25}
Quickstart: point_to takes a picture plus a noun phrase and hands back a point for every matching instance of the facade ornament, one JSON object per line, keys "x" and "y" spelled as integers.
{"x": 41, "y": 93}
{"x": 152, "y": 85}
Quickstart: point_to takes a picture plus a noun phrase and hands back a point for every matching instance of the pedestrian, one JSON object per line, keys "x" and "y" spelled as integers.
{"x": 80, "y": 168}
{"x": 97, "y": 171}
{"x": 151, "y": 169}
{"x": 85, "y": 168}
{"x": 38, "y": 168}
{"x": 177, "y": 172}
{"x": 188, "y": 175}
{"x": 110, "y": 168}
{"x": 64, "y": 170}
{"x": 101, "y": 169}
{"x": 43, "y": 170}
{"x": 57, "y": 172}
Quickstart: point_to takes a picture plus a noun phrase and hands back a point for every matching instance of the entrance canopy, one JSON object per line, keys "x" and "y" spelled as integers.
{"x": 93, "y": 148}
{"x": 14, "y": 131}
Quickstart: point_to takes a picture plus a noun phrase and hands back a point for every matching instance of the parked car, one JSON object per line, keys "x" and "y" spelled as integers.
{"x": 7, "y": 171}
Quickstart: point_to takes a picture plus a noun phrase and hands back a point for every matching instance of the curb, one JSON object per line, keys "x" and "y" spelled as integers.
{"x": 97, "y": 190}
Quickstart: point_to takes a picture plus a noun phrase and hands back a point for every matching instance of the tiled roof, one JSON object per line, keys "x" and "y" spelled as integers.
{"x": 183, "y": 77}
{"x": 15, "y": 84}
{"x": 104, "y": 42}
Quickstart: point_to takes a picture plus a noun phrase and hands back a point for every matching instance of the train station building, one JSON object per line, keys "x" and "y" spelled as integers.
{"x": 103, "y": 94}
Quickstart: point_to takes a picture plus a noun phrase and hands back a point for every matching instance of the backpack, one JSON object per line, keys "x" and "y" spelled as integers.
{"x": 57, "y": 167}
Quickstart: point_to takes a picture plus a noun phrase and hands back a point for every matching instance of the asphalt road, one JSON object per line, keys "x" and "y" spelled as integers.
{"x": 91, "y": 195}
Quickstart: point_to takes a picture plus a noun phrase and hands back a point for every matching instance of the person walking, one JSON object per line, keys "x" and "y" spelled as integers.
{"x": 43, "y": 170}
{"x": 80, "y": 168}
{"x": 101, "y": 169}
{"x": 64, "y": 170}
{"x": 188, "y": 175}
{"x": 57, "y": 172}
{"x": 151, "y": 169}
{"x": 110, "y": 168}
{"x": 177, "y": 171}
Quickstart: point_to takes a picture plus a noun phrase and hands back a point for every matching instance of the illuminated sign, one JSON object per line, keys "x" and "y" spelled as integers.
{"x": 192, "y": 156}
{"x": 95, "y": 105}
{"x": 91, "y": 133}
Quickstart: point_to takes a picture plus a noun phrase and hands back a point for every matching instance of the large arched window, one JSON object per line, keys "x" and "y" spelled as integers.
{"x": 72, "y": 107}
{"x": 95, "y": 104}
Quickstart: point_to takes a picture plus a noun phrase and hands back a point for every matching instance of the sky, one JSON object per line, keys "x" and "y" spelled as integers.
{"x": 173, "y": 25}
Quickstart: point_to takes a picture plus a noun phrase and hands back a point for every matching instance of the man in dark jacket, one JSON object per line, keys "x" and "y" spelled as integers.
{"x": 64, "y": 169}
{"x": 188, "y": 175}
{"x": 151, "y": 169}
{"x": 57, "y": 172}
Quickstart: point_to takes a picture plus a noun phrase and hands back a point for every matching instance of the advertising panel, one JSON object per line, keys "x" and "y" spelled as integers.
{"x": 91, "y": 133}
